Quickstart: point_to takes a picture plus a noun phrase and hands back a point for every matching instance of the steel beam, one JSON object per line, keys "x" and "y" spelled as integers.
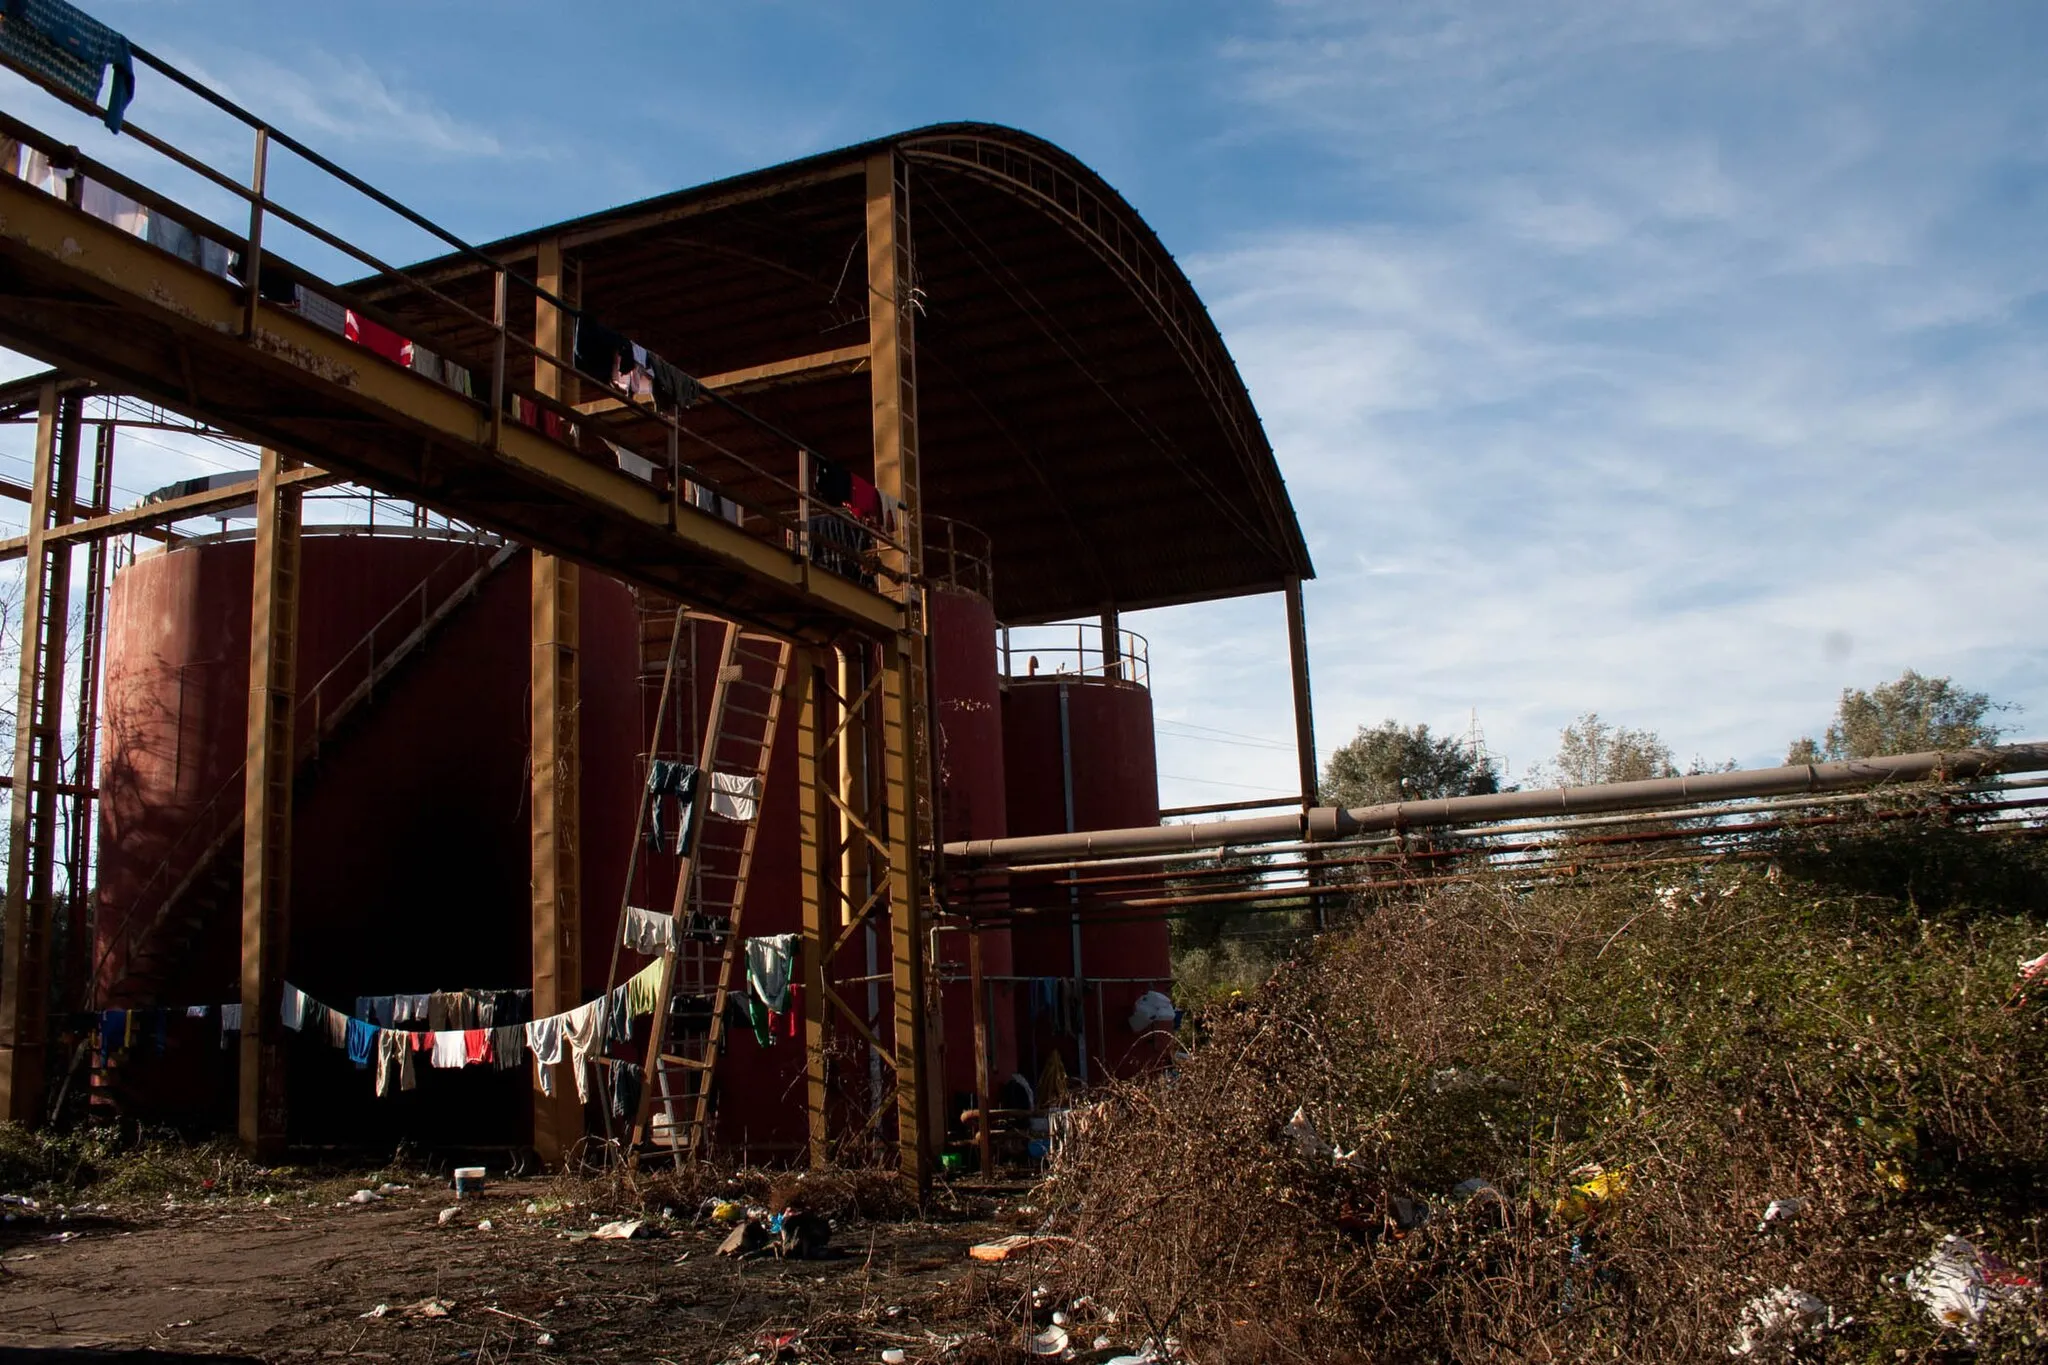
{"x": 906, "y": 774}
{"x": 814, "y": 820}
{"x": 822, "y": 365}
{"x": 267, "y": 809}
{"x": 557, "y": 772}
{"x": 143, "y": 518}
{"x": 38, "y": 734}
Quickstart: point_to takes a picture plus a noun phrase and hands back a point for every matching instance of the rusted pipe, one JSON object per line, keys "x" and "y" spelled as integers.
{"x": 1331, "y": 822}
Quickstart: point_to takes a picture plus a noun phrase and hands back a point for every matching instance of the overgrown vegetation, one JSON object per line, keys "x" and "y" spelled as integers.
{"x": 1636, "y": 1069}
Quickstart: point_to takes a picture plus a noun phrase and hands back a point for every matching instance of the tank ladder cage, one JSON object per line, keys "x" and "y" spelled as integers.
{"x": 781, "y": 524}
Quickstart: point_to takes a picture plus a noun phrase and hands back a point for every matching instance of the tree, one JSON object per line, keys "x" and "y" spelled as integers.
{"x": 1393, "y": 762}
{"x": 1913, "y": 715}
{"x": 1590, "y": 751}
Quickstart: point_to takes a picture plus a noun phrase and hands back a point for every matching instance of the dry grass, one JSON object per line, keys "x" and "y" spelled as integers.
{"x": 1833, "y": 1033}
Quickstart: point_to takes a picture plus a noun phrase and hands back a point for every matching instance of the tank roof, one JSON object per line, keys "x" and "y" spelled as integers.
{"x": 1075, "y": 400}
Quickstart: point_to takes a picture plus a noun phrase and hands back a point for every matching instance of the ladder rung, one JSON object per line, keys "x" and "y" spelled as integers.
{"x": 693, "y": 1063}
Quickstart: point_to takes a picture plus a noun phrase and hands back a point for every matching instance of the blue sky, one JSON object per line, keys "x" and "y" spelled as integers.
{"x": 1683, "y": 362}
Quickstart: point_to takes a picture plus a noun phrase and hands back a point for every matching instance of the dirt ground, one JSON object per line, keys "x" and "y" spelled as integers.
{"x": 303, "y": 1280}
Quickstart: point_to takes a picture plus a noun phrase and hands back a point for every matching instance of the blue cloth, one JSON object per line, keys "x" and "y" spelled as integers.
{"x": 69, "y": 48}
{"x": 113, "y": 1031}
{"x": 677, "y": 780}
{"x": 362, "y": 1041}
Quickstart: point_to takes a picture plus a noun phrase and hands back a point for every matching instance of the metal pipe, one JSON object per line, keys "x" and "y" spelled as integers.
{"x": 1073, "y": 891}
{"x": 1326, "y": 822}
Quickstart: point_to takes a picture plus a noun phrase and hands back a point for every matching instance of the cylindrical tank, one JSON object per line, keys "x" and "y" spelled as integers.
{"x": 968, "y": 738}
{"x": 410, "y": 857}
{"x": 1079, "y": 754}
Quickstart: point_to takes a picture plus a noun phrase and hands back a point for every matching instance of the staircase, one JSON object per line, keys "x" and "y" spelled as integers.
{"x": 199, "y": 880}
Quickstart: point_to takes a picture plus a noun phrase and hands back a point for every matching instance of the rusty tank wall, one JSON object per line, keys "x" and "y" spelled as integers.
{"x": 1092, "y": 735}
{"x": 968, "y": 720}
{"x": 410, "y": 827}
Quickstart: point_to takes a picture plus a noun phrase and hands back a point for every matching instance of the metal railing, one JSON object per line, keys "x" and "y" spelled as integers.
{"x": 1074, "y": 651}
{"x": 786, "y": 516}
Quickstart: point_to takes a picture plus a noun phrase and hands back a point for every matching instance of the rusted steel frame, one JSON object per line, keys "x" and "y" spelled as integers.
{"x": 267, "y": 810}
{"x": 31, "y": 835}
{"x": 137, "y": 518}
{"x": 85, "y": 723}
{"x": 984, "y": 1085}
{"x": 646, "y": 803}
{"x": 1120, "y": 241}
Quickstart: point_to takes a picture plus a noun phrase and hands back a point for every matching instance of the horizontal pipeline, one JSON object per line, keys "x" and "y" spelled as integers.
{"x": 1334, "y": 822}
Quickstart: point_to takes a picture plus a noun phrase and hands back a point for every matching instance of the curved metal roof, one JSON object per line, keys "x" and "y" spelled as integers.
{"x": 1075, "y": 400}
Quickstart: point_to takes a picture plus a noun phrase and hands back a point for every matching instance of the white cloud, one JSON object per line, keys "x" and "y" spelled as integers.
{"x": 1628, "y": 394}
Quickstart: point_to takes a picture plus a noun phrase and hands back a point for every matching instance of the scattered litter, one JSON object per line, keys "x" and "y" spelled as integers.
{"x": 1960, "y": 1284}
{"x": 379, "y": 1311}
{"x": 469, "y": 1180}
{"x": 726, "y": 1211}
{"x": 1051, "y": 1342}
{"x": 429, "y": 1308}
{"x": 1780, "y": 1212}
{"x": 1584, "y": 1200}
{"x": 894, "y": 1356}
{"x": 1783, "y": 1317}
{"x": 21, "y": 1200}
{"x": 446, "y": 1216}
{"x": 60, "y": 1237}
{"x": 544, "y": 1339}
{"x": 745, "y": 1239}
{"x": 1306, "y": 1139}
{"x": 624, "y": 1229}
{"x": 1003, "y": 1248}
{"x": 388, "y": 1188}
{"x": 365, "y": 1197}
{"x": 484, "y": 1226}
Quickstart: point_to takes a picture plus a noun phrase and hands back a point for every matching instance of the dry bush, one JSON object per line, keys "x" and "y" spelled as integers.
{"x": 1722, "y": 1038}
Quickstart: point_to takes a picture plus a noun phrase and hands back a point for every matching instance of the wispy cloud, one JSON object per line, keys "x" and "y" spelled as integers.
{"x": 1626, "y": 393}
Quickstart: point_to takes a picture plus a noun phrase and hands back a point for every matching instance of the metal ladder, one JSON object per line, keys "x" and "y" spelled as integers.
{"x": 702, "y": 964}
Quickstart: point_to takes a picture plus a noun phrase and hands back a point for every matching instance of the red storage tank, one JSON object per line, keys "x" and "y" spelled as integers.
{"x": 968, "y": 723}
{"x": 1079, "y": 754}
{"x": 410, "y": 831}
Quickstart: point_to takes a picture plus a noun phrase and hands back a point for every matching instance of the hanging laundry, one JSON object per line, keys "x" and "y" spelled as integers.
{"x": 831, "y": 481}
{"x": 583, "y": 1028}
{"x": 426, "y": 363}
{"x": 892, "y": 513}
{"x": 450, "y": 1052}
{"x": 198, "y": 1011}
{"x": 625, "y": 1090}
{"x": 362, "y": 1010}
{"x": 337, "y": 1027}
{"x": 168, "y": 234}
{"x": 230, "y": 1022}
{"x": 486, "y": 1008}
{"x": 376, "y": 338}
{"x": 634, "y": 465}
{"x": 769, "y": 962}
{"x": 618, "y": 1024}
{"x": 677, "y": 781}
{"x": 508, "y": 1045}
{"x": 321, "y": 311}
{"x": 734, "y": 796}
{"x": 544, "y": 1041}
{"x": 476, "y": 1045}
{"x": 647, "y": 931}
{"x": 113, "y": 1033}
{"x": 643, "y": 991}
{"x": 383, "y": 1010}
{"x": 673, "y": 390}
{"x": 758, "y": 1019}
{"x": 441, "y": 1010}
{"x": 162, "y": 1020}
{"x": 70, "y": 49}
{"x": 597, "y": 350}
{"x": 109, "y": 205}
{"x": 456, "y": 377}
{"x": 362, "y": 1039}
{"x": 293, "y": 1011}
{"x": 394, "y": 1062}
{"x": 865, "y": 500}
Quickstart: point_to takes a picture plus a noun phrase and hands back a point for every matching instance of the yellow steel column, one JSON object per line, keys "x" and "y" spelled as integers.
{"x": 31, "y": 829}
{"x": 893, "y": 384}
{"x": 557, "y": 768}
{"x": 267, "y": 809}
{"x": 820, "y": 922}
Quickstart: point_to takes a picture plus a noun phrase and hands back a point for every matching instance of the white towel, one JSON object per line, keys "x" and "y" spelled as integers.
{"x": 294, "y": 1010}
{"x": 544, "y": 1041}
{"x": 583, "y": 1028}
{"x": 648, "y": 931}
{"x": 450, "y": 1052}
{"x": 735, "y": 797}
